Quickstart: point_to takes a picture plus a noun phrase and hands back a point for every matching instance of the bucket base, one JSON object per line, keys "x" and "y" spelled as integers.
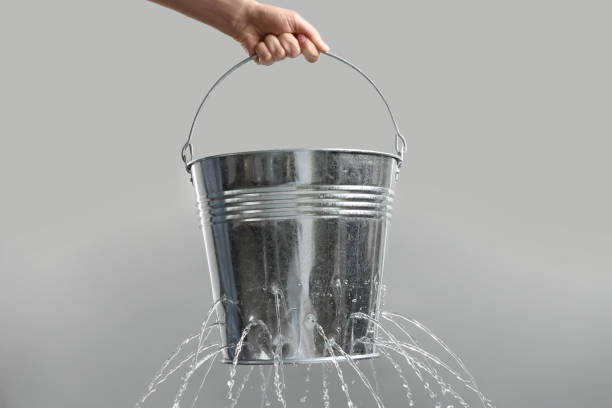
{"x": 317, "y": 360}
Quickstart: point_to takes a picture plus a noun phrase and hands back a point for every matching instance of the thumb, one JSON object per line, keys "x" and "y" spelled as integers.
{"x": 249, "y": 43}
{"x": 304, "y": 27}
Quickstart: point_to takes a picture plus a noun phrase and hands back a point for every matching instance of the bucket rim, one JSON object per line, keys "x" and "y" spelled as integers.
{"x": 333, "y": 150}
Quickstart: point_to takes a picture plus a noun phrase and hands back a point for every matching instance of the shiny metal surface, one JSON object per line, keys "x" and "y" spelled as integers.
{"x": 301, "y": 231}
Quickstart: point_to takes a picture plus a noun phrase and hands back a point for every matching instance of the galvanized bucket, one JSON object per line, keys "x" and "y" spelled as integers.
{"x": 295, "y": 241}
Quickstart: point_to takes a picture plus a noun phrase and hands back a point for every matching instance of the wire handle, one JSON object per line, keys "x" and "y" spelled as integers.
{"x": 400, "y": 140}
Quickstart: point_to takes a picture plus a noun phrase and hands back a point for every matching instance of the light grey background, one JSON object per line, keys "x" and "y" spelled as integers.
{"x": 501, "y": 233}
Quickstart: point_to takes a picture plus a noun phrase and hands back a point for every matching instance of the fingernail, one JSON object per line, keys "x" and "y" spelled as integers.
{"x": 325, "y": 46}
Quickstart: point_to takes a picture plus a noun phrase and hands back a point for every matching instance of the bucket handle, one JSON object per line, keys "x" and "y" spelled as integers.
{"x": 400, "y": 140}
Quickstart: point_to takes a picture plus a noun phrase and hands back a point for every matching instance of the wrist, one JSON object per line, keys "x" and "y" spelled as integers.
{"x": 241, "y": 18}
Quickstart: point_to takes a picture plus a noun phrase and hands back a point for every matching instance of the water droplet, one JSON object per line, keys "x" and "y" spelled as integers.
{"x": 310, "y": 320}
{"x": 278, "y": 340}
{"x": 275, "y": 289}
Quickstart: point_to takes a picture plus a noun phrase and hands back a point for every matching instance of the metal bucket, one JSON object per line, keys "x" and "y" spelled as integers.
{"x": 295, "y": 241}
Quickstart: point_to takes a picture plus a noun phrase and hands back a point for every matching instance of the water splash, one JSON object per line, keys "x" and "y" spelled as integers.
{"x": 162, "y": 376}
{"x": 326, "y": 399}
{"x": 151, "y": 388}
{"x": 304, "y": 397}
{"x": 239, "y": 346}
{"x": 390, "y": 316}
{"x": 417, "y": 365}
{"x": 361, "y": 375}
{"x": 245, "y": 380}
{"x": 330, "y": 347}
{"x": 185, "y": 382}
{"x": 265, "y": 379}
{"x": 201, "y": 387}
{"x": 444, "y": 378}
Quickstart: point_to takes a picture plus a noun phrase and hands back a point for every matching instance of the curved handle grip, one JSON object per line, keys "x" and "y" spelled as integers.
{"x": 400, "y": 140}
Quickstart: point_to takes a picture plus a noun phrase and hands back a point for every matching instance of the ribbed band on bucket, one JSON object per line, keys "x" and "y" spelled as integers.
{"x": 293, "y": 201}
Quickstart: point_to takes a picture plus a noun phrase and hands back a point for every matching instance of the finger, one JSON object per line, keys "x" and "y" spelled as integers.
{"x": 310, "y": 51}
{"x": 275, "y": 47}
{"x": 264, "y": 56}
{"x": 304, "y": 27}
{"x": 290, "y": 44}
{"x": 249, "y": 44}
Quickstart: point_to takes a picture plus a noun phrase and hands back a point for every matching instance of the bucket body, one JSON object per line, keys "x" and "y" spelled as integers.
{"x": 295, "y": 241}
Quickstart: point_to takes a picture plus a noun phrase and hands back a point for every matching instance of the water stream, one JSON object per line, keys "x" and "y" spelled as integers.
{"x": 407, "y": 373}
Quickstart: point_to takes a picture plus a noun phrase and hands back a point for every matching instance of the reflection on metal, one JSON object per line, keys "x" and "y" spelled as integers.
{"x": 305, "y": 228}
{"x": 295, "y": 240}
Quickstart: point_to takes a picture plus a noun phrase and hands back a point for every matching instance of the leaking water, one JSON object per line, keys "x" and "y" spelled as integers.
{"x": 406, "y": 373}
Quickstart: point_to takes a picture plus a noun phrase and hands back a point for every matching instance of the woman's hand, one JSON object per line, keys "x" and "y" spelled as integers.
{"x": 274, "y": 33}
{"x": 270, "y": 32}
